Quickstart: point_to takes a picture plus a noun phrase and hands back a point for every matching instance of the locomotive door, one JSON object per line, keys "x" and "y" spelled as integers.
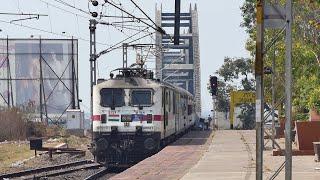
{"x": 175, "y": 111}
{"x": 165, "y": 103}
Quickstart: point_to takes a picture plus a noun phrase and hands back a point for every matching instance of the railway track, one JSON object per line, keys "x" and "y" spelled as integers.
{"x": 102, "y": 172}
{"x": 52, "y": 171}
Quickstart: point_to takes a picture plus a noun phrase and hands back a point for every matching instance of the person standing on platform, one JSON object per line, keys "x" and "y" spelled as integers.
{"x": 210, "y": 120}
{"x": 206, "y": 123}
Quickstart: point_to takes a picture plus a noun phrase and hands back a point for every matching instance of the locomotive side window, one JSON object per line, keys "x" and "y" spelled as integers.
{"x": 174, "y": 103}
{"x": 189, "y": 109}
{"x": 141, "y": 98}
{"x": 112, "y": 97}
{"x": 169, "y": 101}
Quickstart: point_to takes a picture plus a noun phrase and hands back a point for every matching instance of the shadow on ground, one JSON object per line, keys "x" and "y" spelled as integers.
{"x": 193, "y": 138}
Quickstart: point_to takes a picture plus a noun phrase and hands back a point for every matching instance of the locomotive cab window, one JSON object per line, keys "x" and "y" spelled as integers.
{"x": 112, "y": 97}
{"x": 141, "y": 98}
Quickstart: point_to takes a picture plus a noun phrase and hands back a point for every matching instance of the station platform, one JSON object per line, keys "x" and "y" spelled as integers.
{"x": 219, "y": 155}
{"x": 173, "y": 161}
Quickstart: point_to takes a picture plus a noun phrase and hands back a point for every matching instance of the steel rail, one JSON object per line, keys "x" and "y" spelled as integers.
{"x": 44, "y": 169}
{"x": 67, "y": 171}
{"x": 98, "y": 174}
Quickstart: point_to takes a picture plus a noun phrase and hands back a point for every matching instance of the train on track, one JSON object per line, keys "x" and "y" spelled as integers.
{"x": 135, "y": 115}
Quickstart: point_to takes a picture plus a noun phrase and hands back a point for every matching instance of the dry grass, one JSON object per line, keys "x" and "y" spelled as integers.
{"x": 76, "y": 142}
{"x": 13, "y": 152}
{"x": 10, "y": 153}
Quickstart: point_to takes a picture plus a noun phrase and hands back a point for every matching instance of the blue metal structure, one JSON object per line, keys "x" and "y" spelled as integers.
{"x": 179, "y": 61}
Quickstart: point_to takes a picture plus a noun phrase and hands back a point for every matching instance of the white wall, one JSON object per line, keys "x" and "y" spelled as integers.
{"x": 222, "y": 120}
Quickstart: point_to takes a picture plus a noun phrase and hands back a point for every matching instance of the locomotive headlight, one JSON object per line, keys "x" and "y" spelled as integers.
{"x": 149, "y": 143}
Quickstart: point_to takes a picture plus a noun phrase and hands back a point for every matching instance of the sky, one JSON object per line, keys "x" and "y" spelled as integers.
{"x": 219, "y": 29}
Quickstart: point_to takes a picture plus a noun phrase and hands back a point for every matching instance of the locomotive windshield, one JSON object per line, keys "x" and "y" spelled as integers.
{"x": 112, "y": 97}
{"x": 141, "y": 98}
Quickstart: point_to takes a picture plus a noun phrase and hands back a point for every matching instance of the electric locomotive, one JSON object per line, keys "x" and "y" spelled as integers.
{"x": 134, "y": 115}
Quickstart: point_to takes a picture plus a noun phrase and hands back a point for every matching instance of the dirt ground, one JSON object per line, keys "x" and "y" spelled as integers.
{"x": 15, "y": 156}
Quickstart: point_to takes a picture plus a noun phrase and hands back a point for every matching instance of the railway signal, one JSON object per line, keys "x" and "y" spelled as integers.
{"x": 213, "y": 85}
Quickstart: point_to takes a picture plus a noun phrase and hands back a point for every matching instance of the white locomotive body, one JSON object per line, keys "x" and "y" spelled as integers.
{"x": 134, "y": 116}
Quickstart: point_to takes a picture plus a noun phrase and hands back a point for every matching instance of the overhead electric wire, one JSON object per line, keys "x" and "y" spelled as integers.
{"x": 77, "y": 21}
{"x": 71, "y": 6}
{"x": 57, "y": 7}
{"x": 78, "y": 15}
{"x": 158, "y": 27}
{"x": 124, "y": 17}
{"x": 49, "y": 32}
{"x": 49, "y": 17}
{"x": 111, "y": 47}
{"x": 129, "y": 28}
{"x": 134, "y": 40}
{"x": 122, "y": 10}
{"x": 116, "y": 46}
{"x": 22, "y": 19}
{"x": 23, "y": 14}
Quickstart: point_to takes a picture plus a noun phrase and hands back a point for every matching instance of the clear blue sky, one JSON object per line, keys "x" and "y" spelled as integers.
{"x": 219, "y": 23}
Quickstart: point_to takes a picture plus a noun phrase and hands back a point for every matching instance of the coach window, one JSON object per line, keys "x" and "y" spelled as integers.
{"x": 141, "y": 97}
{"x": 112, "y": 97}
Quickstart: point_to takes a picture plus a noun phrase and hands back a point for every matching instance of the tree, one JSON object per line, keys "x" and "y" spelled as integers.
{"x": 306, "y": 51}
{"x": 236, "y": 74}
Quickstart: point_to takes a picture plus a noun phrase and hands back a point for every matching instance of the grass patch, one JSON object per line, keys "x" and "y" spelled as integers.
{"x": 10, "y": 153}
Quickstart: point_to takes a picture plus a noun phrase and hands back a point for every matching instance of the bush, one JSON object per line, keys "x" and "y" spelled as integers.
{"x": 35, "y": 129}
{"x": 13, "y": 126}
{"x": 18, "y": 125}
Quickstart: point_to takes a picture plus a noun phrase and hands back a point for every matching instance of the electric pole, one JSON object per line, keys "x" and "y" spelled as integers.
{"x": 288, "y": 90}
{"x": 93, "y": 63}
{"x": 259, "y": 90}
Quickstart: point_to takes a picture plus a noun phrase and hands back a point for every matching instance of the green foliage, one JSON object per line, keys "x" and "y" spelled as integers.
{"x": 249, "y": 14}
{"x": 314, "y": 100}
{"x": 234, "y": 69}
{"x": 306, "y": 52}
{"x": 247, "y": 116}
{"x": 302, "y": 117}
{"x": 222, "y": 98}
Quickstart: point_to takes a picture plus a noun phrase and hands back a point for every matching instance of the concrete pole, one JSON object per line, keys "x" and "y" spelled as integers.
{"x": 288, "y": 87}
{"x": 259, "y": 90}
